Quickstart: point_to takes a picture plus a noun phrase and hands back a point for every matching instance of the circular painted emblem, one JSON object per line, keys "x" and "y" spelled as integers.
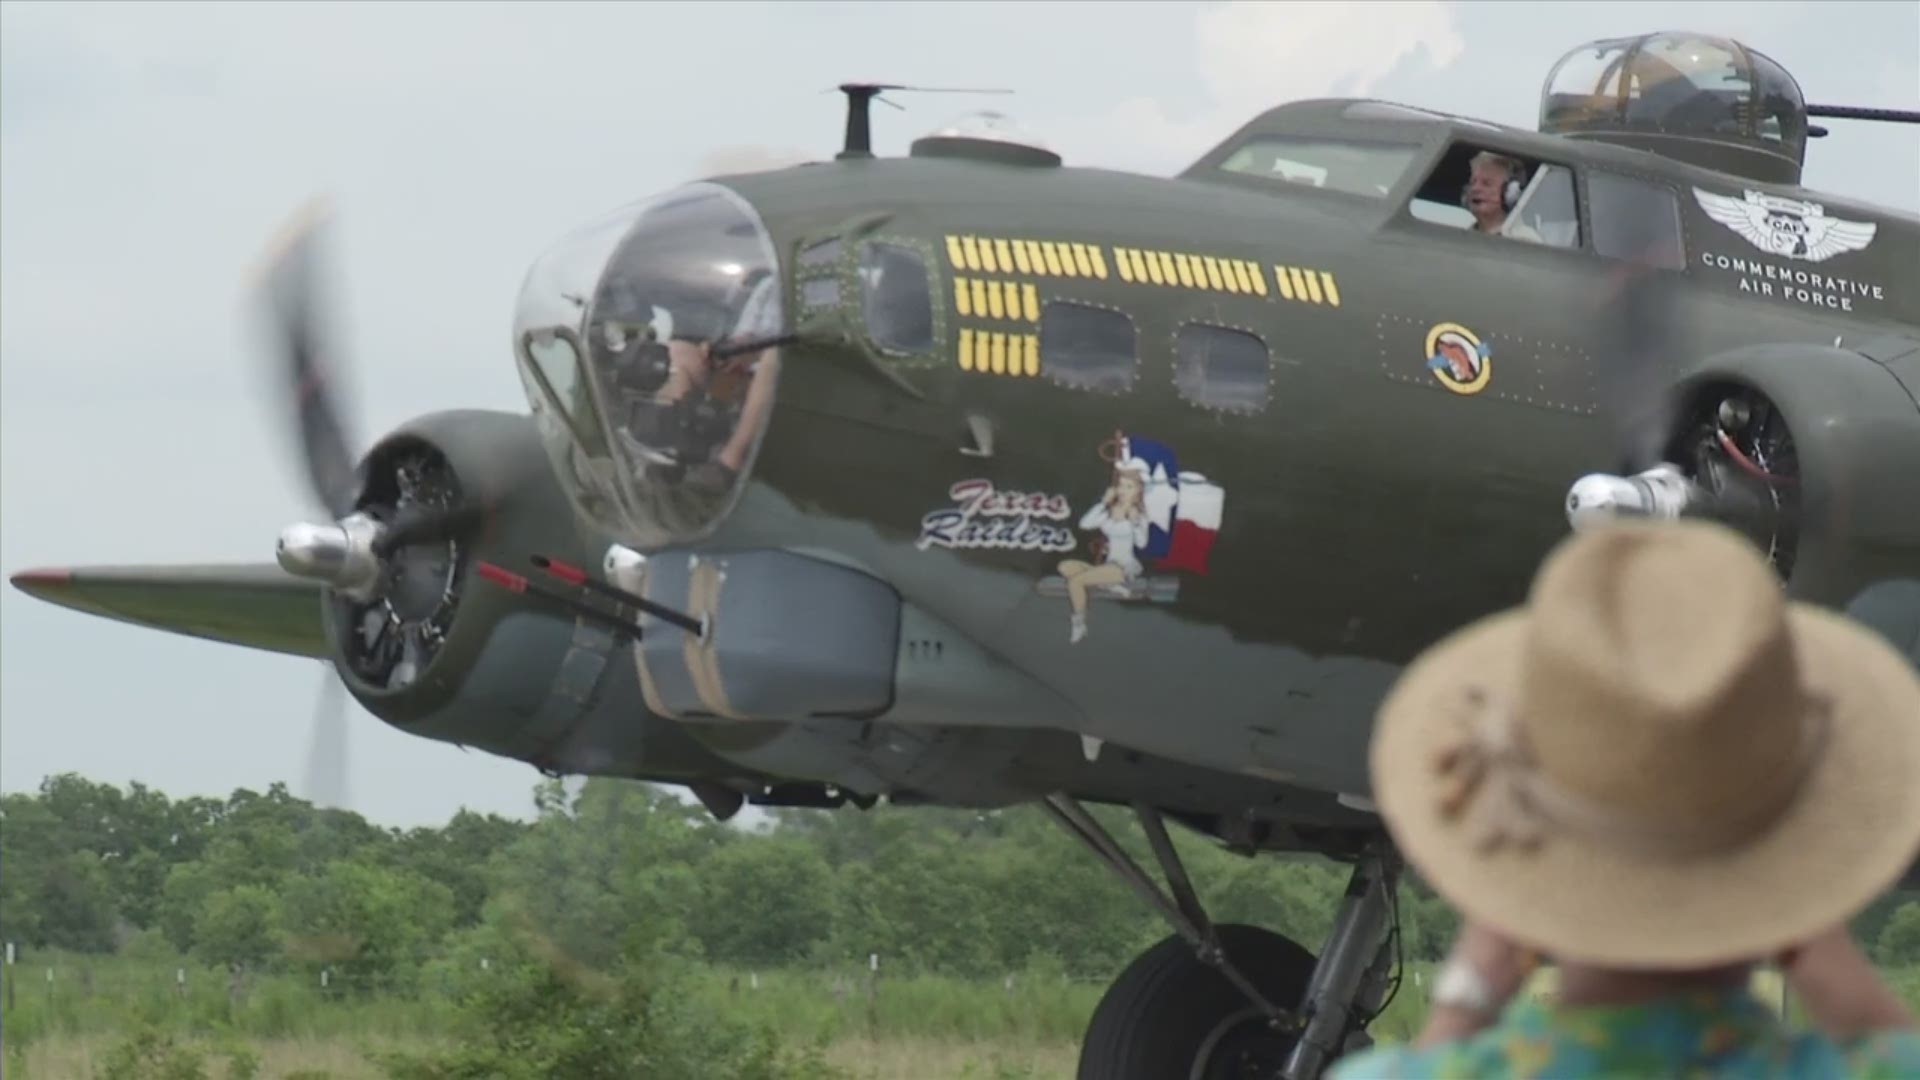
{"x": 1462, "y": 362}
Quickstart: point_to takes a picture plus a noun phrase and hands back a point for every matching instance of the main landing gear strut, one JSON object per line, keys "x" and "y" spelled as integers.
{"x": 1234, "y": 1001}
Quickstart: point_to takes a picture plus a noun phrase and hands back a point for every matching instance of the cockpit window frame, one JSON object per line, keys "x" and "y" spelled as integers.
{"x": 1448, "y": 143}
{"x": 1414, "y": 146}
{"x": 1659, "y": 185}
{"x": 637, "y": 522}
{"x": 690, "y": 264}
{"x": 533, "y": 368}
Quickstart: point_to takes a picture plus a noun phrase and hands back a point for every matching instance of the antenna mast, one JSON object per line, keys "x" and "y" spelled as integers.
{"x": 859, "y": 141}
{"x": 860, "y": 96}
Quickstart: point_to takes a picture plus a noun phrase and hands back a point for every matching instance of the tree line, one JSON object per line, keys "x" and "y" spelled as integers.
{"x": 269, "y": 882}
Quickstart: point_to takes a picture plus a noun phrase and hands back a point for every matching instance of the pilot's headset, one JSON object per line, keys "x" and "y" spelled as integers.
{"x": 1509, "y": 191}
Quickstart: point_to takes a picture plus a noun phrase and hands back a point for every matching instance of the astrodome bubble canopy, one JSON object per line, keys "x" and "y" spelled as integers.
{"x": 1708, "y": 90}
{"x": 1679, "y": 82}
{"x": 986, "y": 134}
{"x": 627, "y": 333}
{"x": 992, "y": 125}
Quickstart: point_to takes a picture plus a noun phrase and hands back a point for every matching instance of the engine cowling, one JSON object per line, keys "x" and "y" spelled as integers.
{"x": 438, "y": 652}
{"x": 1814, "y": 452}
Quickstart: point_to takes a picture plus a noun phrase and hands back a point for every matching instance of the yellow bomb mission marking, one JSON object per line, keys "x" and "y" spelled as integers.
{"x": 988, "y": 299}
{"x": 1311, "y": 286}
{"x": 1009, "y": 255}
{"x": 1241, "y": 277}
{"x": 981, "y": 299}
{"x": 1143, "y": 267}
{"x": 991, "y": 352}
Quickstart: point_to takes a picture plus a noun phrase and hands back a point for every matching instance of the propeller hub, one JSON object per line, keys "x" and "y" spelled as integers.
{"x": 1661, "y": 492}
{"x": 341, "y": 554}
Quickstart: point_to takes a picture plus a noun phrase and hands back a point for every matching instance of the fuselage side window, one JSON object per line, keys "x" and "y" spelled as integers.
{"x": 824, "y": 253}
{"x": 896, "y": 298}
{"x": 819, "y": 294}
{"x": 1635, "y": 221}
{"x": 819, "y": 276}
{"x": 1220, "y": 368}
{"x": 1088, "y": 348}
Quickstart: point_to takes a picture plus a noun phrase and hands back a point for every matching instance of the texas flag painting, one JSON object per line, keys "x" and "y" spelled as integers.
{"x": 1157, "y": 462}
{"x": 1196, "y": 523}
{"x": 1183, "y": 508}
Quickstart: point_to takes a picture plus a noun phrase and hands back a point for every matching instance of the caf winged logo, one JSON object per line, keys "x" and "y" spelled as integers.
{"x": 1788, "y": 227}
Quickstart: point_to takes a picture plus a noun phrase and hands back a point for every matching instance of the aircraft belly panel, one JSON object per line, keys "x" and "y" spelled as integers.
{"x": 946, "y": 678}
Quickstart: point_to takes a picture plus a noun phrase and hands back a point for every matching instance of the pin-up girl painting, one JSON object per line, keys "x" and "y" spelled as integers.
{"x": 1121, "y": 518}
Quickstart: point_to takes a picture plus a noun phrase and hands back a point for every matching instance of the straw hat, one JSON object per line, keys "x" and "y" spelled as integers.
{"x": 1659, "y": 761}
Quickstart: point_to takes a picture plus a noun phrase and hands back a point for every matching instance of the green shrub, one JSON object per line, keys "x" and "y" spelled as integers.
{"x": 151, "y": 1054}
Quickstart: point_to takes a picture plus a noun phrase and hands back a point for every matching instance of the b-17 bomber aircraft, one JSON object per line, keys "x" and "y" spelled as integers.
{"x": 976, "y": 478}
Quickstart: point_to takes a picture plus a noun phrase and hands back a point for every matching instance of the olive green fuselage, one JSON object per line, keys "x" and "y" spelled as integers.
{"x": 1367, "y": 508}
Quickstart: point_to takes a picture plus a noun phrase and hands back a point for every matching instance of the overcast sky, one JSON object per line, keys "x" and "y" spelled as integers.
{"x": 147, "y": 152}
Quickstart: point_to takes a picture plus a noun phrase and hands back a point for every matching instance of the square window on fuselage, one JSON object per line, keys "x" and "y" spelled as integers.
{"x": 1088, "y": 348}
{"x": 1218, "y": 367}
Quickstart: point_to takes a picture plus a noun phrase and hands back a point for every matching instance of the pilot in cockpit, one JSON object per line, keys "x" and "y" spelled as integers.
{"x": 1493, "y": 189}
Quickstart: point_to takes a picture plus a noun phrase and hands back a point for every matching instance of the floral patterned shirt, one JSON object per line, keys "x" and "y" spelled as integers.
{"x": 1721, "y": 1034}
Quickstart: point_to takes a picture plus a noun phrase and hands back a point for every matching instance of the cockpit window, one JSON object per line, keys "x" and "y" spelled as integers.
{"x": 1636, "y": 221}
{"x": 1548, "y": 208}
{"x": 896, "y": 298}
{"x": 1501, "y": 194}
{"x": 1357, "y": 168}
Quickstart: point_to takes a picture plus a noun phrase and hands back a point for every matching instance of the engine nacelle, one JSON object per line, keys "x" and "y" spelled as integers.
{"x": 1820, "y": 443}
{"x": 440, "y": 653}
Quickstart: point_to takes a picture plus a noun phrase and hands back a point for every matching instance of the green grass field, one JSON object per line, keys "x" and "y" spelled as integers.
{"x": 920, "y": 1026}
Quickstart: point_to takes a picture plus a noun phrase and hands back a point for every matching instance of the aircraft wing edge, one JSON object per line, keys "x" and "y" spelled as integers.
{"x": 254, "y": 605}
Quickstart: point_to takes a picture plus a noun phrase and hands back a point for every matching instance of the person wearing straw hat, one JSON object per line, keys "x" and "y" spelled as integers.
{"x": 1656, "y": 774}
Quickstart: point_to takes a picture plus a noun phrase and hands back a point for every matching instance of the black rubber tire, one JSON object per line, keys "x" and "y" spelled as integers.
{"x": 1152, "y": 1021}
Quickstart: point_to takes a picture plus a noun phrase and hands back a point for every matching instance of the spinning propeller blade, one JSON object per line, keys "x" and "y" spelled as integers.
{"x": 1634, "y": 327}
{"x": 326, "y": 766}
{"x": 305, "y": 370}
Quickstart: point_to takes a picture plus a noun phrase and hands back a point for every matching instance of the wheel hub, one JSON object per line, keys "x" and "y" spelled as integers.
{"x": 1246, "y": 1045}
